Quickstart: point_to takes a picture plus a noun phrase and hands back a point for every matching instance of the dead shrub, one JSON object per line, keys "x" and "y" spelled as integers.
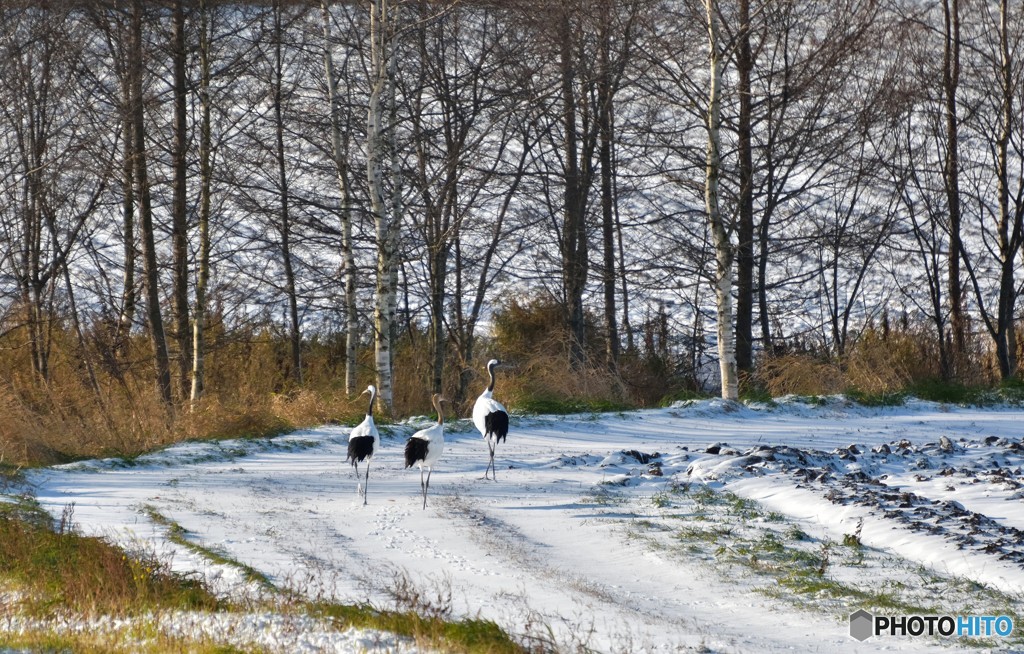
{"x": 880, "y": 360}
{"x": 888, "y": 360}
{"x": 800, "y": 374}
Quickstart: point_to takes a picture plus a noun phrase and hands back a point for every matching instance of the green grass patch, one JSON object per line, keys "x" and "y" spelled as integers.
{"x": 757, "y": 395}
{"x": 59, "y": 571}
{"x": 57, "y": 568}
{"x": 553, "y": 406}
{"x": 1013, "y": 388}
{"x": 472, "y": 636}
{"x": 125, "y": 642}
{"x": 947, "y": 392}
{"x": 896, "y": 398}
{"x": 177, "y": 534}
{"x": 682, "y": 395}
{"x": 703, "y": 534}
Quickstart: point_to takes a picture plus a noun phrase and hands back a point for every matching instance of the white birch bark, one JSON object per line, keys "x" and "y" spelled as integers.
{"x": 720, "y": 233}
{"x": 385, "y": 222}
{"x": 339, "y": 149}
{"x": 205, "y": 174}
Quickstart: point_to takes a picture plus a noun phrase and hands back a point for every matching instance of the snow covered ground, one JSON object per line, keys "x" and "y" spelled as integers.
{"x": 660, "y": 530}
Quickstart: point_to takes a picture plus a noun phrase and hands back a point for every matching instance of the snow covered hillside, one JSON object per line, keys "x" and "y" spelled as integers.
{"x": 707, "y": 525}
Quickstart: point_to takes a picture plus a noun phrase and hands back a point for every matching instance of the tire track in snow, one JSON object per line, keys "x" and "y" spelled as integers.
{"x": 518, "y": 551}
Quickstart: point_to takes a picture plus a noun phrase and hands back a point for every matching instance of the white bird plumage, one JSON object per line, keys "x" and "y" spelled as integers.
{"x": 363, "y": 442}
{"x": 424, "y": 448}
{"x": 490, "y": 418}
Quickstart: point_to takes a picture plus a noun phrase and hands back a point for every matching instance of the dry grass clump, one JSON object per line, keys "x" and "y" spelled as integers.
{"x": 249, "y": 393}
{"x": 60, "y": 422}
{"x": 532, "y": 338}
{"x": 878, "y": 364}
{"x": 800, "y": 374}
{"x": 880, "y": 360}
{"x": 545, "y": 384}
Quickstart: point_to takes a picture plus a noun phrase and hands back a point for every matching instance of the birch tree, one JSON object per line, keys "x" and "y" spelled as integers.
{"x": 380, "y": 146}
{"x": 721, "y": 231}
{"x": 340, "y": 142}
{"x": 205, "y": 190}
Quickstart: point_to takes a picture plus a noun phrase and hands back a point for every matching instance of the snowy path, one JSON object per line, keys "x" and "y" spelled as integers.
{"x": 545, "y": 546}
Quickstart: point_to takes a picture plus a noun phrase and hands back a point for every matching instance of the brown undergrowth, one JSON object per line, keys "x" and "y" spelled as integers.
{"x": 251, "y": 390}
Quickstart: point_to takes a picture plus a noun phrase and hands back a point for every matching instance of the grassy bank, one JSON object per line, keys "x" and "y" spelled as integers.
{"x": 61, "y": 591}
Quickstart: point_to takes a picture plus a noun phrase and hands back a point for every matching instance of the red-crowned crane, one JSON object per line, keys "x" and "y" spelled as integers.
{"x": 491, "y": 418}
{"x": 425, "y": 446}
{"x": 363, "y": 442}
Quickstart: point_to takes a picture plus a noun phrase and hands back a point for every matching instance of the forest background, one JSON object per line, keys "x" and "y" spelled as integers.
{"x": 225, "y": 219}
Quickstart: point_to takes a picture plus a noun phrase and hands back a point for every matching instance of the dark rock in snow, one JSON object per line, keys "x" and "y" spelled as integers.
{"x": 746, "y": 461}
{"x": 642, "y": 457}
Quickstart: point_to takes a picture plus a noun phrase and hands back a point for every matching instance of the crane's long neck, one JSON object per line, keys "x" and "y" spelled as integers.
{"x": 490, "y": 371}
{"x": 373, "y": 396}
{"x": 440, "y": 413}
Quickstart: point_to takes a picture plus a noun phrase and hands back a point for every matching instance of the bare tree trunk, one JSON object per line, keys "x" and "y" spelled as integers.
{"x": 438, "y": 208}
{"x": 33, "y": 284}
{"x": 153, "y": 313}
{"x": 950, "y": 84}
{"x": 179, "y": 222}
{"x": 339, "y": 150}
{"x": 745, "y": 230}
{"x": 206, "y": 183}
{"x": 719, "y": 230}
{"x": 438, "y": 265}
{"x": 624, "y": 281}
{"x": 1008, "y": 223}
{"x": 1009, "y": 229}
{"x": 294, "y": 333}
{"x": 575, "y": 250}
{"x": 606, "y": 127}
{"x": 396, "y": 183}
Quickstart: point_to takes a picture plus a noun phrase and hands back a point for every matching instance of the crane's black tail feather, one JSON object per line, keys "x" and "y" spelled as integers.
{"x": 497, "y": 423}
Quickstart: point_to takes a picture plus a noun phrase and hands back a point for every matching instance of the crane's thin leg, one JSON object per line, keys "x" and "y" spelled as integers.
{"x": 366, "y": 485}
{"x": 359, "y": 487}
{"x": 494, "y": 471}
{"x": 490, "y": 463}
{"x": 425, "y": 488}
